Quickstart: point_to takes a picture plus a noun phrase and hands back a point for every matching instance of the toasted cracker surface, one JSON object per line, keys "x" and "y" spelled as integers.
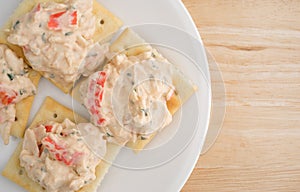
{"x": 23, "y": 109}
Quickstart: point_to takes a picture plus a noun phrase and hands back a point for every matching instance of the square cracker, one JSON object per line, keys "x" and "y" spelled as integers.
{"x": 24, "y": 106}
{"x": 132, "y": 44}
{"x": 51, "y": 110}
{"x": 106, "y": 25}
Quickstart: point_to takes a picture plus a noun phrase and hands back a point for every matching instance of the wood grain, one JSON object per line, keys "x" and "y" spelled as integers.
{"x": 257, "y": 47}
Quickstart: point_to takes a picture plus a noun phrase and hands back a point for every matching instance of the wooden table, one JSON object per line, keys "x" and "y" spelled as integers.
{"x": 256, "y": 44}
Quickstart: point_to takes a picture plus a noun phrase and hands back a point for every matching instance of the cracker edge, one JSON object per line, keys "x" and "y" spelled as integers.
{"x": 23, "y": 109}
{"x": 50, "y": 107}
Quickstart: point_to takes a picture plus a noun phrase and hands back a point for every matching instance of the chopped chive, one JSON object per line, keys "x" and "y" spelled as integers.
{"x": 16, "y": 25}
{"x": 10, "y": 76}
{"x": 22, "y": 91}
{"x": 68, "y": 33}
{"x": 43, "y": 169}
{"x": 44, "y": 37}
{"x": 145, "y": 112}
{"x": 109, "y": 135}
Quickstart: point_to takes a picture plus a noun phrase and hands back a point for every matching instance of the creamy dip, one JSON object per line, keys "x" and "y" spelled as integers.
{"x": 56, "y": 156}
{"x": 57, "y": 39}
{"x": 127, "y": 99}
{"x": 14, "y": 86}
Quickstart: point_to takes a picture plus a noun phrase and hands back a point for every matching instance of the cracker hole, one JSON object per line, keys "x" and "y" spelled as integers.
{"x": 16, "y": 118}
{"x": 101, "y": 21}
{"x": 21, "y": 172}
{"x": 55, "y": 115}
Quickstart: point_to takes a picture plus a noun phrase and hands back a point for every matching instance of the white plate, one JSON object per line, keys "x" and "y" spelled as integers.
{"x": 172, "y": 174}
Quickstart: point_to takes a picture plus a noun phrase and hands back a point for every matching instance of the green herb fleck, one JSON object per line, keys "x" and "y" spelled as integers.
{"x": 43, "y": 169}
{"x": 22, "y": 91}
{"x": 52, "y": 76}
{"x": 143, "y": 138}
{"x": 44, "y": 37}
{"x": 129, "y": 74}
{"x": 10, "y": 76}
{"x": 68, "y": 33}
{"x": 145, "y": 112}
{"x": 16, "y": 25}
{"x": 109, "y": 135}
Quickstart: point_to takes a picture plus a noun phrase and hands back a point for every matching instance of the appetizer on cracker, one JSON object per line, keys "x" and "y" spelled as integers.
{"x": 15, "y": 87}
{"x": 135, "y": 95}
{"x": 54, "y": 155}
{"x": 61, "y": 38}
